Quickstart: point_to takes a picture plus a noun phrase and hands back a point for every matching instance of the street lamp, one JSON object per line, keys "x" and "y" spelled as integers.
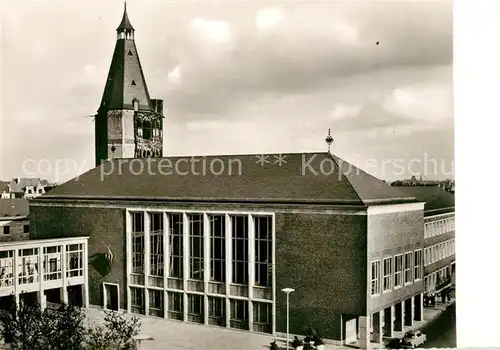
{"x": 288, "y": 291}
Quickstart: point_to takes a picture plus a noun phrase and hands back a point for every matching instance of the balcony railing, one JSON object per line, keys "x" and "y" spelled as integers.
{"x": 239, "y": 290}
{"x": 443, "y": 283}
{"x": 263, "y": 293}
{"x": 216, "y": 288}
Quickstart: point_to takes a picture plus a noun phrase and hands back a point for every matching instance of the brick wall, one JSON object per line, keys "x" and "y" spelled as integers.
{"x": 323, "y": 257}
{"x": 388, "y": 235}
{"x": 104, "y": 226}
{"x": 16, "y": 231}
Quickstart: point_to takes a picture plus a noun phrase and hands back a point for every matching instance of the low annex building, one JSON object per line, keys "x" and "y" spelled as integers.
{"x": 213, "y": 240}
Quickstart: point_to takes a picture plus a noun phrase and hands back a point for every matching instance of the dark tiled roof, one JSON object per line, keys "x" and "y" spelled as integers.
{"x": 243, "y": 178}
{"x": 18, "y": 207}
{"x": 126, "y": 80}
{"x": 437, "y": 201}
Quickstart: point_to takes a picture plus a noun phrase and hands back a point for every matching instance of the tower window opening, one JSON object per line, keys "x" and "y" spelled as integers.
{"x": 135, "y": 101}
{"x": 130, "y": 53}
{"x": 147, "y": 130}
{"x": 133, "y": 83}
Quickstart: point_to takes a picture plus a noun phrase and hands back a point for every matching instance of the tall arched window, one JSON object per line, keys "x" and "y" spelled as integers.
{"x": 139, "y": 128}
{"x": 147, "y": 130}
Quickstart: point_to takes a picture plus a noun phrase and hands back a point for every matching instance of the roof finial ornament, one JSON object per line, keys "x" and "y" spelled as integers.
{"x": 329, "y": 140}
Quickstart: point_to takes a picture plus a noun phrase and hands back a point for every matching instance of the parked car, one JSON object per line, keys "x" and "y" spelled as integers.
{"x": 413, "y": 339}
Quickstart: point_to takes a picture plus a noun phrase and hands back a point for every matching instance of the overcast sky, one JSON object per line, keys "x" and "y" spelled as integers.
{"x": 246, "y": 77}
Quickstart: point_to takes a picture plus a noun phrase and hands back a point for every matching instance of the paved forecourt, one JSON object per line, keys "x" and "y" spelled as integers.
{"x": 174, "y": 335}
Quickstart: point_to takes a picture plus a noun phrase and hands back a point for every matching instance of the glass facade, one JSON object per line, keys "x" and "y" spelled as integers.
{"x": 209, "y": 259}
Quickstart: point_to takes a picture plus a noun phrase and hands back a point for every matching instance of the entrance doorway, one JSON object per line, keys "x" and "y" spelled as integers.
{"x": 75, "y": 295}
{"x": 111, "y": 296}
{"x": 351, "y": 331}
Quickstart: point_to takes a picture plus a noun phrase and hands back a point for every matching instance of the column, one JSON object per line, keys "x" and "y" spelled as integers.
{"x": 419, "y": 307}
{"x": 64, "y": 290}
{"x": 185, "y": 262}
{"x": 364, "y": 332}
{"x": 251, "y": 269}
{"x": 41, "y": 295}
{"x": 147, "y": 259}
{"x": 15, "y": 274}
{"x": 128, "y": 254}
{"x": 389, "y": 322}
{"x": 399, "y": 317}
{"x": 273, "y": 269}
{"x": 229, "y": 272}
{"x": 85, "y": 265}
{"x": 206, "y": 263}
{"x": 377, "y": 327}
{"x": 166, "y": 262}
{"x": 408, "y": 305}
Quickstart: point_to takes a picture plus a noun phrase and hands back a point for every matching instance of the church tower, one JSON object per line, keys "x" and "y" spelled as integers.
{"x": 128, "y": 123}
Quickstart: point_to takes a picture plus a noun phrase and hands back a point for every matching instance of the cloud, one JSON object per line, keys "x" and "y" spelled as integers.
{"x": 175, "y": 76}
{"x": 268, "y": 18}
{"x": 341, "y": 111}
{"x": 216, "y": 31}
{"x": 427, "y": 103}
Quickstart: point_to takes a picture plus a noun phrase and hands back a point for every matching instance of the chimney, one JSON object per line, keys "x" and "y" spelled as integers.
{"x": 18, "y": 180}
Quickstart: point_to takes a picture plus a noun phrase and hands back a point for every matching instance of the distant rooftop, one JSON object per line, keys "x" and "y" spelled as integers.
{"x": 437, "y": 200}
{"x": 18, "y": 184}
{"x": 12, "y": 208}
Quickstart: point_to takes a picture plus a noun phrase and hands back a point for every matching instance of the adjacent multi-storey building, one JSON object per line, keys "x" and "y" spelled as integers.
{"x": 46, "y": 272}
{"x": 14, "y": 223}
{"x": 43, "y": 271}
{"x": 439, "y": 234}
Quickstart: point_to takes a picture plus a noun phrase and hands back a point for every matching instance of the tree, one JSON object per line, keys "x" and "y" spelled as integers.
{"x": 117, "y": 332}
{"x": 21, "y": 327}
{"x": 64, "y": 327}
{"x": 28, "y": 327}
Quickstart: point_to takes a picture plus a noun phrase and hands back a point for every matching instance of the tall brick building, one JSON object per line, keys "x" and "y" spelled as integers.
{"x": 213, "y": 240}
{"x": 128, "y": 123}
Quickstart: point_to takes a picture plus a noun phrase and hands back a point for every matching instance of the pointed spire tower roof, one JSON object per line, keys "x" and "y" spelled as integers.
{"x": 125, "y": 23}
{"x": 126, "y": 82}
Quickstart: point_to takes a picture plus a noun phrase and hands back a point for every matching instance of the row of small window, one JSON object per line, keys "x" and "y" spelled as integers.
{"x": 148, "y": 129}
{"x": 438, "y": 227}
{"x": 435, "y": 280}
{"x": 396, "y": 271}
{"x": 239, "y": 316}
{"x": 439, "y": 251}
{"x": 27, "y": 264}
{"x": 6, "y": 229}
{"x": 238, "y": 251}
